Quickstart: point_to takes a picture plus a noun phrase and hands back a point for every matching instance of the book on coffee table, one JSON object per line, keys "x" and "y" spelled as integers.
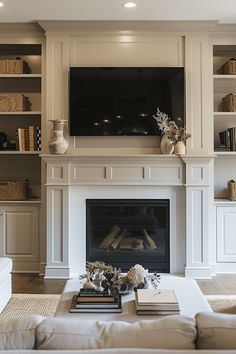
{"x": 156, "y": 302}
{"x": 94, "y": 307}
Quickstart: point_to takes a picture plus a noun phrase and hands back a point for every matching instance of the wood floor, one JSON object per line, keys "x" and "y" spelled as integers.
{"x": 33, "y": 284}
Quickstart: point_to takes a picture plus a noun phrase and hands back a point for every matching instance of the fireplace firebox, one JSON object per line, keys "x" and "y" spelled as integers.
{"x": 124, "y": 232}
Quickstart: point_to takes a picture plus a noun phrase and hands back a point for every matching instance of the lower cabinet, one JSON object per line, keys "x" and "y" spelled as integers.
{"x": 226, "y": 233}
{"x": 19, "y": 233}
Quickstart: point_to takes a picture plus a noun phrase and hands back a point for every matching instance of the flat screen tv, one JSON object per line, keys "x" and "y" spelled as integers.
{"x": 122, "y": 101}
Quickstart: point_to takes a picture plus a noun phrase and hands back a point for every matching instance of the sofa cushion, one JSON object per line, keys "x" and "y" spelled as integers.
{"x": 216, "y": 331}
{"x": 171, "y": 332}
{"x": 5, "y": 268}
{"x": 19, "y": 333}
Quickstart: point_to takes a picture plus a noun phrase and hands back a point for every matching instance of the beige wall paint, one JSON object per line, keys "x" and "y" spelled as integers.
{"x": 120, "y": 50}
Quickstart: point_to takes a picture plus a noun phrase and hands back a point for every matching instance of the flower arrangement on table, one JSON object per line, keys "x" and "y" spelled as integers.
{"x": 173, "y": 132}
{"x": 104, "y": 276}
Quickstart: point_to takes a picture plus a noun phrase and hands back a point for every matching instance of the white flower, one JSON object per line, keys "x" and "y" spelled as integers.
{"x": 136, "y": 275}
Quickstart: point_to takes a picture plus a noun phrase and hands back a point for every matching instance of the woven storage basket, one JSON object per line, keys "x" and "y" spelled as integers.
{"x": 10, "y": 190}
{"x": 232, "y": 190}
{"x": 14, "y": 102}
{"x": 15, "y": 66}
{"x": 230, "y": 67}
{"x": 229, "y": 103}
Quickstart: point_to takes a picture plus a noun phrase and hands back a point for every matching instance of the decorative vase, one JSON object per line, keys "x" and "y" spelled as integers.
{"x": 166, "y": 146}
{"x": 58, "y": 144}
{"x": 180, "y": 148}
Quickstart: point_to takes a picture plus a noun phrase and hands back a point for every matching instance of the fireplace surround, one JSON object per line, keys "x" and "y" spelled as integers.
{"x": 184, "y": 180}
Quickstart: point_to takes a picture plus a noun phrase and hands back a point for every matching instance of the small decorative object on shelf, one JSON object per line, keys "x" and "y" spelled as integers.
{"x": 229, "y": 103}
{"x": 232, "y": 190}
{"x": 105, "y": 276}
{"x": 175, "y": 134}
{"x": 229, "y": 68}
{"x": 58, "y": 144}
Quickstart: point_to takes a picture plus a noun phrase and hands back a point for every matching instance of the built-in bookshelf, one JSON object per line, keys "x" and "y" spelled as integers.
{"x": 24, "y": 154}
{"x": 224, "y": 122}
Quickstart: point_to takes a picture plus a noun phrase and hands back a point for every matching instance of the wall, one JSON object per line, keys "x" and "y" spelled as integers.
{"x": 98, "y": 45}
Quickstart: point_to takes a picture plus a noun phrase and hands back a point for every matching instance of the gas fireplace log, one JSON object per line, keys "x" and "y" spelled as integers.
{"x": 132, "y": 243}
{"x": 110, "y": 237}
{"x": 150, "y": 241}
{"x": 116, "y": 242}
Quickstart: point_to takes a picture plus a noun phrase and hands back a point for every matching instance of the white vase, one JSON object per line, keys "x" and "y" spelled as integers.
{"x": 180, "y": 148}
{"x": 166, "y": 146}
{"x": 58, "y": 144}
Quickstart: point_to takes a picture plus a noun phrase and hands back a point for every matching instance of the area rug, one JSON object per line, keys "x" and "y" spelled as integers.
{"x": 21, "y": 305}
{"x": 222, "y": 303}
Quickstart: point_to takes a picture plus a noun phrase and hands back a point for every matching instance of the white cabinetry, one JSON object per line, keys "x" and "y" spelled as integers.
{"x": 226, "y": 233}
{"x": 19, "y": 235}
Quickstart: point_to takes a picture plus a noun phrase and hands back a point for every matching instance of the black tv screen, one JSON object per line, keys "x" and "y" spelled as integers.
{"x": 122, "y": 101}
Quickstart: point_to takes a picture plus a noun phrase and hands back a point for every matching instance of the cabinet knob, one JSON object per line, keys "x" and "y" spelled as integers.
{"x": 1, "y": 212}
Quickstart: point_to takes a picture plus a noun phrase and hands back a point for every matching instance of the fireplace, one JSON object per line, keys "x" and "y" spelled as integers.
{"x": 124, "y": 232}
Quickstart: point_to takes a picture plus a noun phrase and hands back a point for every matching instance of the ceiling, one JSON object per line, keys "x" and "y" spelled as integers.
{"x": 31, "y": 10}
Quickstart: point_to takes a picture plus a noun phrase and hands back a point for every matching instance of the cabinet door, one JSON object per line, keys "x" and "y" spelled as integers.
{"x": 226, "y": 234}
{"x": 19, "y": 233}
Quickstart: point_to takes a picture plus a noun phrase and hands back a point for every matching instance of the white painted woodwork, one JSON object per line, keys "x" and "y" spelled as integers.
{"x": 21, "y": 227}
{"x": 131, "y": 177}
{"x": 19, "y": 232}
{"x": 226, "y": 226}
{"x": 198, "y": 90}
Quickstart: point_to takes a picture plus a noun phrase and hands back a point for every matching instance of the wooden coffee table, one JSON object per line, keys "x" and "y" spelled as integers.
{"x": 190, "y": 297}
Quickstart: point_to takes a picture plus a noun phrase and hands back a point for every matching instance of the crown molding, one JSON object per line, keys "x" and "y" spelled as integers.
{"x": 122, "y": 27}
{"x": 21, "y": 29}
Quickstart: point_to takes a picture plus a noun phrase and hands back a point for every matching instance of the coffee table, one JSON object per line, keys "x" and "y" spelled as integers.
{"x": 190, "y": 297}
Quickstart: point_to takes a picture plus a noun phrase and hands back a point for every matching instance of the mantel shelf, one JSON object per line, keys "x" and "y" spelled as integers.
{"x": 13, "y": 152}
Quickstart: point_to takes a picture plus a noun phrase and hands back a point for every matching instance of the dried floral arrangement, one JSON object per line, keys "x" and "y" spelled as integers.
{"x": 167, "y": 126}
{"x": 111, "y": 277}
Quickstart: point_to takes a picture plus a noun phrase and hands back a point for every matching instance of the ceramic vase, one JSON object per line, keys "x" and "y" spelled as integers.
{"x": 58, "y": 144}
{"x": 166, "y": 146}
{"x": 180, "y": 148}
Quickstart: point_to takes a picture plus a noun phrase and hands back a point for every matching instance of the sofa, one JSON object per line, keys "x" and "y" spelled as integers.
{"x": 208, "y": 332}
{"x": 5, "y": 281}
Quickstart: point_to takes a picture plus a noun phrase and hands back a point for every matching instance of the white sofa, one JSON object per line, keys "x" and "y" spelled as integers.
{"x": 209, "y": 332}
{"x": 5, "y": 281}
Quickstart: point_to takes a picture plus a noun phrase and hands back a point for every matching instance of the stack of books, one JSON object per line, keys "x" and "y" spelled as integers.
{"x": 156, "y": 302}
{"x": 227, "y": 140}
{"x": 28, "y": 139}
{"x": 90, "y": 300}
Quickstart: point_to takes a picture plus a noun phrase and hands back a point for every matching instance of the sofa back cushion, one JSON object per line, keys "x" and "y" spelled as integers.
{"x": 19, "y": 333}
{"x": 171, "y": 332}
{"x": 216, "y": 331}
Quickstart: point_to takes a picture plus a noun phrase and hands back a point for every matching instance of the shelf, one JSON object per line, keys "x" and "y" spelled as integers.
{"x": 13, "y": 152}
{"x": 223, "y": 201}
{"x": 21, "y": 76}
{"x": 225, "y": 114}
{"x": 224, "y": 77}
{"x": 225, "y": 153}
{"x": 28, "y": 201}
{"x": 30, "y": 113}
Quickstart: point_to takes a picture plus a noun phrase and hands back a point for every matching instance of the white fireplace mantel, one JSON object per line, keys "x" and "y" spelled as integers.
{"x": 66, "y": 176}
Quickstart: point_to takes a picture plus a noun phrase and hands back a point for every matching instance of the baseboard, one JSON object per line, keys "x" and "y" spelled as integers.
{"x": 198, "y": 272}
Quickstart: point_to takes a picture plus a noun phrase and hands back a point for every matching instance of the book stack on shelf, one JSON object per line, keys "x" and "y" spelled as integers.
{"x": 28, "y": 139}
{"x": 156, "y": 302}
{"x": 227, "y": 140}
{"x": 90, "y": 300}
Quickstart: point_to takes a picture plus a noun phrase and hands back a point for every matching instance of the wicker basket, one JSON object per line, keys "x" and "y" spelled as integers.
{"x": 15, "y": 66}
{"x": 10, "y": 190}
{"x": 14, "y": 102}
{"x": 230, "y": 67}
{"x": 229, "y": 103}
